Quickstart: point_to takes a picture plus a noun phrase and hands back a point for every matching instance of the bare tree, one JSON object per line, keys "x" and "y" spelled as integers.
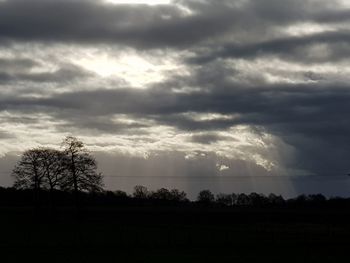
{"x": 225, "y": 199}
{"x": 161, "y": 194}
{"x": 177, "y": 195}
{"x": 205, "y": 197}
{"x": 28, "y": 172}
{"x": 81, "y": 168}
{"x": 53, "y": 165}
{"x": 140, "y": 192}
{"x": 33, "y": 170}
{"x": 54, "y": 168}
{"x": 39, "y": 168}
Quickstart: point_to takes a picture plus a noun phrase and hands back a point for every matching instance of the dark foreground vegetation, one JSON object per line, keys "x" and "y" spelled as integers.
{"x": 164, "y": 226}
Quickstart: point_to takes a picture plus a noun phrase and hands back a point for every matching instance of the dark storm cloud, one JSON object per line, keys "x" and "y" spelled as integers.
{"x": 9, "y": 67}
{"x": 301, "y": 108}
{"x": 19, "y": 70}
{"x": 333, "y": 16}
{"x": 291, "y": 48}
{"x": 95, "y": 22}
{"x": 97, "y": 125}
{"x": 207, "y": 138}
{"x": 187, "y": 123}
{"x": 17, "y": 64}
{"x": 66, "y": 73}
{"x": 153, "y": 26}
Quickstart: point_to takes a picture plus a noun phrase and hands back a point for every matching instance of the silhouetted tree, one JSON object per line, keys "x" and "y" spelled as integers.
{"x": 140, "y": 192}
{"x": 164, "y": 194}
{"x": 206, "y": 197}
{"x": 120, "y": 194}
{"x": 54, "y": 168}
{"x": 301, "y": 199}
{"x": 161, "y": 194}
{"x": 81, "y": 168}
{"x": 275, "y": 199}
{"x": 53, "y": 163}
{"x": 226, "y": 199}
{"x": 317, "y": 199}
{"x": 29, "y": 172}
{"x": 178, "y": 196}
{"x": 39, "y": 168}
{"x": 243, "y": 199}
{"x": 234, "y": 198}
{"x": 257, "y": 199}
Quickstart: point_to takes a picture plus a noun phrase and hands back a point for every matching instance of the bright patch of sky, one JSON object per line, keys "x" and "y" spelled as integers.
{"x": 136, "y": 70}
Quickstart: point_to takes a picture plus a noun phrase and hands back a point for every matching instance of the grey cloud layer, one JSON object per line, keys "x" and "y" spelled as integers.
{"x": 154, "y": 26}
{"x": 310, "y": 118}
{"x": 308, "y": 110}
{"x": 18, "y": 70}
{"x": 297, "y": 49}
{"x": 94, "y": 22}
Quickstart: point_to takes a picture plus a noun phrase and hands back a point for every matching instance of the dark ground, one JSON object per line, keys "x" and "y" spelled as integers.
{"x": 175, "y": 234}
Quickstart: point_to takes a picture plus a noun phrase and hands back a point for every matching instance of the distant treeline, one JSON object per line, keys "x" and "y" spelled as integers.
{"x": 164, "y": 197}
{"x": 50, "y": 177}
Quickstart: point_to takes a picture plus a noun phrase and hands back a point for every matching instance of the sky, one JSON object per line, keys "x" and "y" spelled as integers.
{"x": 243, "y": 95}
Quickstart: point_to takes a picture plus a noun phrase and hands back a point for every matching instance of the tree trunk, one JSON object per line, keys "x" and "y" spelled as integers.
{"x": 75, "y": 183}
{"x": 52, "y": 203}
{"x": 36, "y": 189}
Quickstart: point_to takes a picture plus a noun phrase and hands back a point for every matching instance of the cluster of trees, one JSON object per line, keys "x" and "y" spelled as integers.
{"x": 206, "y": 197}
{"x": 257, "y": 200}
{"x": 242, "y": 199}
{"x": 165, "y": 197}
{"x": 175, "y": 195}
{"x": 71, "y": 169}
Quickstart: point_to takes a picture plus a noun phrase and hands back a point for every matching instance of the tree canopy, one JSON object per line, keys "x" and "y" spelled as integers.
{"x": 73, "y": 168}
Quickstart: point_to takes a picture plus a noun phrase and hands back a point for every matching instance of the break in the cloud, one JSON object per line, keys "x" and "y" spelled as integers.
{"x": 190, "y": 87}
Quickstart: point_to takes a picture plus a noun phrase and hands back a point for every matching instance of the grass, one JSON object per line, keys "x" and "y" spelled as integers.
{"x": 172, "y": 234}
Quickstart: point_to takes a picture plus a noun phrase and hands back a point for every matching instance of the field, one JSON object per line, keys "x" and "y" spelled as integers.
{"x": 174, "y": 234}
